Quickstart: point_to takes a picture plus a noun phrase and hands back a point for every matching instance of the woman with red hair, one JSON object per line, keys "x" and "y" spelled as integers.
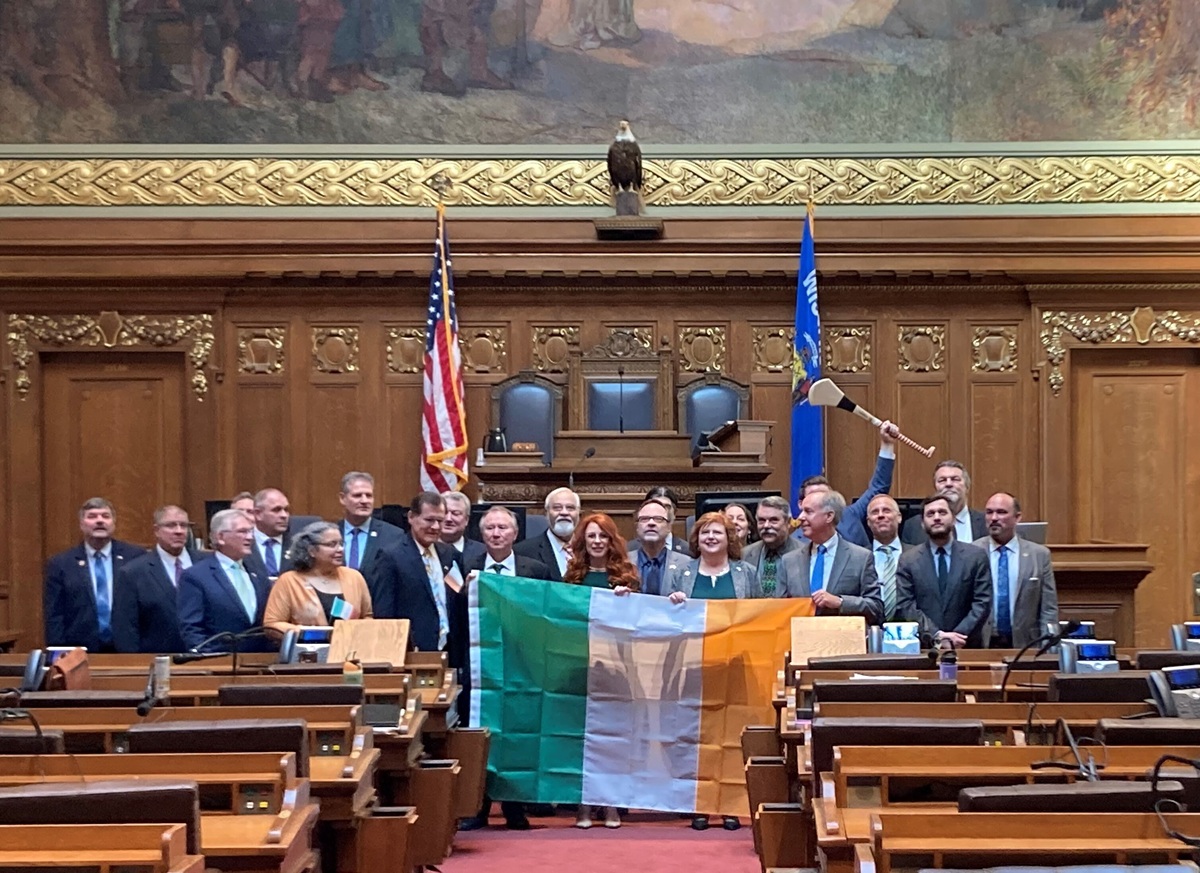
{"x": 599, "y": 557}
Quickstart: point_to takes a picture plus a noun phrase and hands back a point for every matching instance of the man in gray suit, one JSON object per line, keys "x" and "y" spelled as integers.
{"x": 773, "y": 517}
{"x": 649, "y": 551}
{"x": 944, "y": 585}
{"x": 1024, "y": 594}
{"x": 838, "y": 575}
{"x": 883, "y": 521}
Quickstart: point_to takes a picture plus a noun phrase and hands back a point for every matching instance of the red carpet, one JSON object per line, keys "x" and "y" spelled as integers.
{"x": 645, "y": 839}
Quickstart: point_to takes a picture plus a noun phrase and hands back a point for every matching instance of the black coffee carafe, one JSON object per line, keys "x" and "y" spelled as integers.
{"x": 495, "y": 441}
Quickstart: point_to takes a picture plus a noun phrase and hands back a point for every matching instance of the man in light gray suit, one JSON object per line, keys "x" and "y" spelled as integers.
{"x": 838, "y": 575}
{"x": 1024, "y": 596}
{"x": 944, "y": 585}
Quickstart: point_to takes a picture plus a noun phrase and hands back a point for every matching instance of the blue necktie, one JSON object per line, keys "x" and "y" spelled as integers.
{"x": 103, "y": 602}
{"x": 1003, "y": 614}
{"x": 272, "y": 563}
{"x": 353, "y": 561}
{"x": 652, "y": 583}
{"x": 818, "y": 572}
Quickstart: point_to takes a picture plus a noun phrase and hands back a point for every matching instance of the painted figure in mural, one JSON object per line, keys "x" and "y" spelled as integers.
{"x": 317, "y": 26}
{"x": 363, "y": 27}
{"x": 138, "y": 43}
{"x": 447, "y": 24}
{"x": 589, "y": 24}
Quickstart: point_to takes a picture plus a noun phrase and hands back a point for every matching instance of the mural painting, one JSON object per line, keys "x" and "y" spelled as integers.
{"x": 417, "y": 74}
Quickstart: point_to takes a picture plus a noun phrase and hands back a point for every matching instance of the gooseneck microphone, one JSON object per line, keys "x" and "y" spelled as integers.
{"x": 1046, "y": 641}
{"x": 591, "y": 450}
{"x": 197, "y": 653}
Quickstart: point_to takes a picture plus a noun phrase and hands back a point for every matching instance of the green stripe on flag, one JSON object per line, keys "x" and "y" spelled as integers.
{"x": 533, "y": 658}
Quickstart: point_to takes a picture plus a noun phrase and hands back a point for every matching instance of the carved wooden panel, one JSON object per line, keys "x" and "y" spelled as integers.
{"x": 335, "y": 349}
{"x": 550, "y": 346}
{"x": 994, "y": 348}
{"x": 405, "y": 349}
{"x": 261, "y": 350}
{"x": 702, "y": 349}
{"x": 773, "y": 349}
{"x": 922, "y": 348}
{"x": 847, "y": 349}
{"x": 484, "y": 348}
{"x": 995, "y": 459}
{"x": 922, "y": 412}
{"x": 260, "y": 409}
{"x": 643, "y": 333}
{"x": 335, "y": 435}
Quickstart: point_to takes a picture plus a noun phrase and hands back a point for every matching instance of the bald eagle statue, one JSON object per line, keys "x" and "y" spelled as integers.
{"x": 625, "y": 161}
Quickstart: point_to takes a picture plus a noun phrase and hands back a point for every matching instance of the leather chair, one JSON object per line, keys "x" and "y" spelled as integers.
{"x": 708, "y": 402}
{"x": 290, "y": 695}
{"x": 830, "y": 732}
{"x": 1148, "y": 732}
{"x": 1108, "y": 796}
{"x": 870, "y": 690}
{"x": 1127, "y": 686}
{"x": 227, "y": 735}
{"x": 530, "y": 409}
{"x": 872, "y": 662}
{"x": 110, "y": 802}
{"x": 28, "y": 742}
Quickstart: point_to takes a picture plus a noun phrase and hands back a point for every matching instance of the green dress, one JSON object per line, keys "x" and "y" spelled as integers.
{"x": 597, "y": 579}
{"x": 714, "y": 587}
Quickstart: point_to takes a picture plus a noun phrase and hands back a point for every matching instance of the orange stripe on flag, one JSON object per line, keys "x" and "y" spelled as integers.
{"x": 744, "y": 645}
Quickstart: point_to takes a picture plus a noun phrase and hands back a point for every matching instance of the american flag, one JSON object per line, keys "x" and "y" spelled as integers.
{"x": 444, "y": 418}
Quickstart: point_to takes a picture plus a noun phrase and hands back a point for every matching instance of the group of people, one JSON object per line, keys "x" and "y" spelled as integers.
{"x": 962, "y": 574}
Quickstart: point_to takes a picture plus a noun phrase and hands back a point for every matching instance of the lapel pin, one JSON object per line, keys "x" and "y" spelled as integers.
{"x": 83, "y": 563}
{"x": 374, "y": 533}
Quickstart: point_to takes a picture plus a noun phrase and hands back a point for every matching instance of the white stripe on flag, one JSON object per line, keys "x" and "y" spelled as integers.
{"x": 641, "y": 745}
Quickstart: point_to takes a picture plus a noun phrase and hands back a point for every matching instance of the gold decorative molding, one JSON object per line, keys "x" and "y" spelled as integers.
{"x": 110, "y": 329}
{"x": 1142, "y": 326}
{"x": 261, "y": 350}
{"x": 335, "y": 349}
{"x": 922, "y": 349}
{"x": 484, "y": 349}
{"x": 995, "y": 349}
{"x": 848, "y": 349}
{"x": 702, "y": 349}
{"x": 405, "y": 349}
{"x": 993, "y": 180}
{"x": 551, "y": 343}
{"x": 773, "y": 349}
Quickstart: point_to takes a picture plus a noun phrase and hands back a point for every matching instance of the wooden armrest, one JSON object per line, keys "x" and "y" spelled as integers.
{"x": 864, "y": 858}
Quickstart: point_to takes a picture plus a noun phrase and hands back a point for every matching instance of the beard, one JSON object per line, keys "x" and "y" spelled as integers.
{"x": 563, "y": 528}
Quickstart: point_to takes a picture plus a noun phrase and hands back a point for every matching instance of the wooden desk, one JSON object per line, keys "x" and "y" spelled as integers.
{"x": 995, "y": 839}
{"x": 160, "y": 848}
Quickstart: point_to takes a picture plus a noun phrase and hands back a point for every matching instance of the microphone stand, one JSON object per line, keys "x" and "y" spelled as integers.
{"x": 224, "y": 636}
{"x": 1046, "y": 641}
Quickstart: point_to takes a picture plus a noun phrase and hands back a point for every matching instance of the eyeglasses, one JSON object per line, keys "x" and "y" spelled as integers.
{"x": 336, "y": 544}
{"x": 656, "y": 519}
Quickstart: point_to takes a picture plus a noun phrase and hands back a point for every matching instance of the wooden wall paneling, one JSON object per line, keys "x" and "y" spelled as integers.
{"x": 996, "y": 445}
{"x": 333, "y": 405}
{"x": 7, "y": 617}
{"x": 400, "y": 479}
{"x": 26, "y": 498}
{"x": 922, "y": 400}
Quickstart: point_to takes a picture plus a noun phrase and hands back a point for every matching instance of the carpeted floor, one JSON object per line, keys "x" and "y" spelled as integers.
{"x": 665, "y": 841}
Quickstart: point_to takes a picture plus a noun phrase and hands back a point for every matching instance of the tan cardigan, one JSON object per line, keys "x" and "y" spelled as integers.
{"x": 293, "y": 602}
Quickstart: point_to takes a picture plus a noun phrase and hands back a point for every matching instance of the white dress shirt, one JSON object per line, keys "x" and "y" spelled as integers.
{"x": 168, "y": 561}
{"x": 962, "y": 526}
{"x": 508, "y": 565}
{"x": 560, "y": 554}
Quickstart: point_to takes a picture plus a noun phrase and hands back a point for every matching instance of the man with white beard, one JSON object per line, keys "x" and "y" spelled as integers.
{"x": 552, "y": 548}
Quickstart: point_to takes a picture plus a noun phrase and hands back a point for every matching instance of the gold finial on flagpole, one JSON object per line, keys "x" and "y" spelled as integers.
{"x": 441, "y": 185}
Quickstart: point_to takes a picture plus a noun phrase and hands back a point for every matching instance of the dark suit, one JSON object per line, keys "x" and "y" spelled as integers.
{"x": 852, "y": 578}
{"x": 258, "y": 562}
{"x": 539, "y": 549}
{"x": 913, "y": 531}
{"x": 527, "y": 568}
{"x": 401, "y": 590}
{"x": 966, "y": 604}
{"x": 145, "y": 606}
{"x": 209, "y": 604}
{"x": 69, "y": 597}
{"x": 380, "y": 536}
{"x": 472, "y": 551}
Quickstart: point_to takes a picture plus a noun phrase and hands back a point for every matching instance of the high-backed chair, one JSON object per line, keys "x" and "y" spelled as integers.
{"x": 708, "y": 402}
{"x": 621, "y": 381}
{"x": 530, "y": 409}
{"x": 226, "y": 735}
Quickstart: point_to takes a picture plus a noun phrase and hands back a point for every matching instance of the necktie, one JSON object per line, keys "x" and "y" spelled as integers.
{"x": 887, "y": 581}
{"x": 245, "y": 590}
{"x": 352, "y": 561}
{"x": 438, "y": 589}
{"x": 943, "y": 570}
{"x": 1003, "y": 613}
{"x": 652, "y": 584}
{"x": 818, "y": 572}
{"x": 271, "y": 561}
{"x": 178, "y": 571}
{"x": 770, "y": 568}
{"x": 103, "y": 601}
{"x": 497, "y": 568}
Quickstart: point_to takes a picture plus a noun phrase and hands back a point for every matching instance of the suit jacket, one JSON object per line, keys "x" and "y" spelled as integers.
{"x": 146, "y": 606}
{"x": 680, "y": 575}
{"x": 402, "y": 591}
{"x": 258, "y": 563}
{"x": 69, "y": 597}
{"x": 852, "y": 578}
{"x": 539, "y": 549}
{"x": 380, "y": 536}
{"x": 904, "y": 548}
{"x": 913, "y": 531}
{"x": 753, "y": 553}
{"x": 1037, "y": 596}
{"x": 472, "y": 551}
{"x": 966, "y": 605}
{"x": 678, "y": 544}
{"x": 209, "y": 604}
{"x": 634, "y": 553}
{"x": 526, "y": 567}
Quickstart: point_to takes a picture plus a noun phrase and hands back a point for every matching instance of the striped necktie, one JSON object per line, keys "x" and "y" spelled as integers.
{"x": 887, "y": 581}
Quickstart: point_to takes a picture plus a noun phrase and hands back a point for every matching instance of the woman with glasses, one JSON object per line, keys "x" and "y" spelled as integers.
{"x": 319, "y": 588}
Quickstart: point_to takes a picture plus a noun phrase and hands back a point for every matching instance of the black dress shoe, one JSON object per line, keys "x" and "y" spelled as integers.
{"x": 730, "y": 823}
{"x": 474, "y": 823}
{"x": 700, "y": 823}
{"x": 517, "y": 824}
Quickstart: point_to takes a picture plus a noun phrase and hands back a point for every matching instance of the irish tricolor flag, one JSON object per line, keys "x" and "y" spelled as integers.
{"x": 621, "y": 701}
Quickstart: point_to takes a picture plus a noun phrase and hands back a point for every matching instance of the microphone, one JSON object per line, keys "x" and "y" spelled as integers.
{"x": 591, "y": 450}
{"x": 150, "y": 698}
{"x": 188, "y": 657}
{"x": 1047, "y": 641}
{"x": 196, "y": 653}
{"x": 620, "y": 398}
